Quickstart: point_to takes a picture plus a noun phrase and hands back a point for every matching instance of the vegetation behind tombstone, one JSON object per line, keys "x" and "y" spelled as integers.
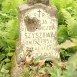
{"x": 67, "y": 15}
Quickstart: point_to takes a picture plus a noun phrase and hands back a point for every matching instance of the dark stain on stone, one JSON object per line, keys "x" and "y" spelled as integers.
{"x": 31, "y": 23}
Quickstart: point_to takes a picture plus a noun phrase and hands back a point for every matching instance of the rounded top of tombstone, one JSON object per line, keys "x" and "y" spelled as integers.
{"x": 32, "y": 2}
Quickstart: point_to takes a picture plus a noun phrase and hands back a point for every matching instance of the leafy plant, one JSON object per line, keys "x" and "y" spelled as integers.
{"x": 57, "y": 71}
{"x": 27, "y": 72}
{"x": 8, "y": 33}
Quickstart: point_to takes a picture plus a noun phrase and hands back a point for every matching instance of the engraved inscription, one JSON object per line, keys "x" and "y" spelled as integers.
{"x": 40, "y": 33}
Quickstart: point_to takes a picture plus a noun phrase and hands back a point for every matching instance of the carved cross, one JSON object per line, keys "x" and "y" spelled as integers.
{"x": 39, "y": 12}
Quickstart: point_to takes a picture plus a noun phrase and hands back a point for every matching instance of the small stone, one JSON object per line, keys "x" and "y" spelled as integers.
{"x": 41, "y": 75}
{"x": 62, "y": 64}
{"x": 41, "y": 64}
{"x": 28, "y": 60}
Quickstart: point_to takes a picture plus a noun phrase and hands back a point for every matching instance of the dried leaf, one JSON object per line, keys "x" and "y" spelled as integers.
{"x": 68, "y": 44}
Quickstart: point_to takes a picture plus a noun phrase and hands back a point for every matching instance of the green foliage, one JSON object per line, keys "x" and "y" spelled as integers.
{"x": 8, "y": 33}
{"x": 70, "y": 72}
{"x": 66, "y": 53}
{"x": 67, "y": 15}
{"x": 73, "y": 60}
{"x": 57, "y": 71}
{"x": 71, "y": 23}
{"x": 62, "y": 33}
{"x": 27, "y": 72}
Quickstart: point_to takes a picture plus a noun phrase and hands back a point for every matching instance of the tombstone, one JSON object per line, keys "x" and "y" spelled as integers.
{"x": 38, "y": 24}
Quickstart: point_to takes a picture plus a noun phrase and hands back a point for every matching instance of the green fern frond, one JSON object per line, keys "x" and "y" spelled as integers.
{"x": 71, "y": 23}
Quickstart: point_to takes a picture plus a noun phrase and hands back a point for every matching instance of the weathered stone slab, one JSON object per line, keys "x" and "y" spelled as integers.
{"x": 38, "y": 26}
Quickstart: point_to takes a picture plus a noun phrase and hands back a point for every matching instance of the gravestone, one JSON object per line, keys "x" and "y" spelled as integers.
{"x": 38, "y": 24}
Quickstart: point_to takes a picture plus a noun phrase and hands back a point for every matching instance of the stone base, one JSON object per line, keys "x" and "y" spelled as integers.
{"x": 16, "y": 70}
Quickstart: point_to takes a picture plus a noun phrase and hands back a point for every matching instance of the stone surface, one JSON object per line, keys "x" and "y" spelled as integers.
{"x": 31, "y": 2}
{"x": 38, "y": 32}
